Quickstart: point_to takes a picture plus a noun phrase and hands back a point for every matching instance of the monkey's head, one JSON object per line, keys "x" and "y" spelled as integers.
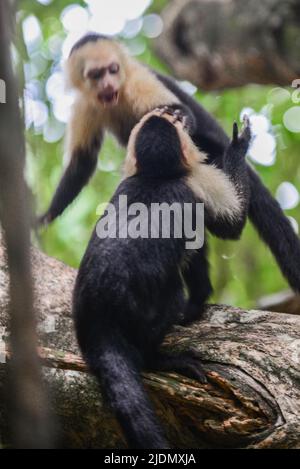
{"x": 96, "y": 66}
{"x": 160, "y": 148}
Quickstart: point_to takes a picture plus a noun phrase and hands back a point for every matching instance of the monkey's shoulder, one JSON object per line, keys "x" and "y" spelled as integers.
{"x": 151, "y": 190}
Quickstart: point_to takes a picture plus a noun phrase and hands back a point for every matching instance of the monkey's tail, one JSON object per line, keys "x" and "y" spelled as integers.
{"x": 276, "y": 230}
{"x": 116, "y": 366}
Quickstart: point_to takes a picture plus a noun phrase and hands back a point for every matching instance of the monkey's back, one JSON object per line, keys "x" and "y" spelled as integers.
{"x": 134, "y": 283}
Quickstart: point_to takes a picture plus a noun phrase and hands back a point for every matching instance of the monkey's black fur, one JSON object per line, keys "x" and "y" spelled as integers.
{"x": 129, "y": 292}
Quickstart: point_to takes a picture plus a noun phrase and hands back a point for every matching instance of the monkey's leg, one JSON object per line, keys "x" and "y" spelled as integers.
{"x": 196, "y": 277}
{"x": 275, "y": 229}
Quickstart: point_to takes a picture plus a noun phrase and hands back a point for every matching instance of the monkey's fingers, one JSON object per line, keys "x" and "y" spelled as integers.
{"x": 163, "y": 110}
{"x": 178, "y": 116}
{"x": 43, "y": 221}
{"x": 185, "y": 123}
{"x": 235, "y": 133}
{"x": 245, "y": 135}
{"x": 246, "y": 131}
{"x": 246, "y": 120}
{"x": 177, "y": 113}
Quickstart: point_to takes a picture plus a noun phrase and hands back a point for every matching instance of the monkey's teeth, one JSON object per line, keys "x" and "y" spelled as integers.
{"x": 110, "y": 100}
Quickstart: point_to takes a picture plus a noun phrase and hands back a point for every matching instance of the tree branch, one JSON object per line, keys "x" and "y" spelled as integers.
{"x": 219, "y": 44}
{"x": 252, "y": 360}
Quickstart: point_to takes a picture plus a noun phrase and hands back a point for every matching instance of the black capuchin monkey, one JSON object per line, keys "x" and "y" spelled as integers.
{"x": 130, "y": 290}
{"x": 114, "y": 91}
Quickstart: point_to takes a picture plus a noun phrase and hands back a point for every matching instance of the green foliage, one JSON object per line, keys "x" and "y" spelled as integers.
{"x": 242, "y": 271}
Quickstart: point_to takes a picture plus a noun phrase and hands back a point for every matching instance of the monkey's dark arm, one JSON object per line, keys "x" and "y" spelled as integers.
{"x": 264, "y": 211}
{"x": 77, "y": 174}
{"x": 195, "y": 272}
{"x": 231, "y": 225}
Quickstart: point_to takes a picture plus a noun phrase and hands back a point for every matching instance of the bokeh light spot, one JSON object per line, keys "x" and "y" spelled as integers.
{"x": 288, "y": 196}
{"x": 291, "y": 119}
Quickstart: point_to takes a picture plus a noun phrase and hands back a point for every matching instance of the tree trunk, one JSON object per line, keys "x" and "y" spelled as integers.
{"x": 219, "y": 44}
{"x": 30, "y": 424}
{"x": 252, "y": 360}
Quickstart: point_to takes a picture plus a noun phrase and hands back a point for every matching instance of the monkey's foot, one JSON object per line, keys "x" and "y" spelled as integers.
{"x": 193, "y": 312}
{"x": 186, "y": 363}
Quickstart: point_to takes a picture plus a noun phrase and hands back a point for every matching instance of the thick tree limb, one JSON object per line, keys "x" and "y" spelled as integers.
{"x": 219, "y": 44}
{"x": 252, "y": 360}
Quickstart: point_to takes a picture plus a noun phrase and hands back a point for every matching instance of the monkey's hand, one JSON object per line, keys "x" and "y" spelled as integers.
{"x": 43, "y": 220}
{"x": 177, "y": 113}
{"x": 193, "y": 312}
{"x": 186, "y": 363}
{"x": 240, "y": 142}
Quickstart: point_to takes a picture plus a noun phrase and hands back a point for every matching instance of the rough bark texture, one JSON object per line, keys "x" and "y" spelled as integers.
{"x": 30, "y": 425}
{"x": 218, "y": 44}
{"x": 252, "y": 360}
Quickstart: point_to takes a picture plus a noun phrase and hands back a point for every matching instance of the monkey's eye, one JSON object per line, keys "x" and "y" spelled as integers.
{"x": 95, "y": 74}
{"x": 114, "y": 68}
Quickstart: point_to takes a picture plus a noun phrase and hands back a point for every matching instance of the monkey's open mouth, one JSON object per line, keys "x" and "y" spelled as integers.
{"x": 109, "y": 99}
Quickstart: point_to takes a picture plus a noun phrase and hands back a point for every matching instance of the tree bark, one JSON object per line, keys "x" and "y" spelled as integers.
{"x": 29, "y": 423}
{"x": 252, "y": 359}
{"x": 219, "y": 44}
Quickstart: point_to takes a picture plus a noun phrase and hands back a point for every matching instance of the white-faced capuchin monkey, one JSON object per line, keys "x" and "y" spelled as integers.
{"x": 113, "y": 92}
{"x": 130, "y": 290}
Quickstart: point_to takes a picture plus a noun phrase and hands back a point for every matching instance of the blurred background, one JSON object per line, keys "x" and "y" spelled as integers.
{"x": 158, "y": 33}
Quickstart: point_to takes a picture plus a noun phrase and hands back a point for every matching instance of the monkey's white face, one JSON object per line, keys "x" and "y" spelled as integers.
{"x": 98, "y": 71}
{"x": 104, "y": 80}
